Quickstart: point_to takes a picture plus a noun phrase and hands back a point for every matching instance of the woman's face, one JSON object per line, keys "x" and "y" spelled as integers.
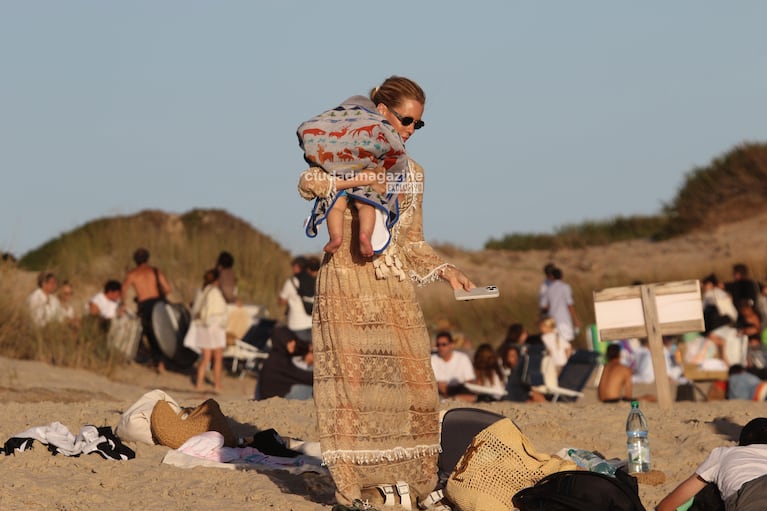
{"x": 408, "y": 108}
{"x": 512, "y": 358}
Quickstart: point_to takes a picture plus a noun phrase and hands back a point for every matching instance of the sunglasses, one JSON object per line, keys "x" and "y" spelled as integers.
{"x": 406, "y": 121}
{"x": 443, "y": 344}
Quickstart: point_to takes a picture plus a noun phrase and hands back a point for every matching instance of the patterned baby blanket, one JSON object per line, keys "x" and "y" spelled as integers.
{"x": 345, "y": 140}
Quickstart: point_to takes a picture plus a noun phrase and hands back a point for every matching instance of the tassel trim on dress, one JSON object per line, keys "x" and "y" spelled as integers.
{"x": 373, "y": 457}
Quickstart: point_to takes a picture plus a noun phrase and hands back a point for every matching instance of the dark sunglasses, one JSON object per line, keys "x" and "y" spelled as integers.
{"x": 443, "y": 344}
{"x": 407, "y": 121}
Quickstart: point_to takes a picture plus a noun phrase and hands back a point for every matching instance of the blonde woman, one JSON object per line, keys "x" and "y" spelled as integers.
{"x": 374, "y": 388}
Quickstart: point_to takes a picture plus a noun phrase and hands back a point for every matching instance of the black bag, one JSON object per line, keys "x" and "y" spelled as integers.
{"x": 305, "y": 288}
{"x": 581, "y": 490}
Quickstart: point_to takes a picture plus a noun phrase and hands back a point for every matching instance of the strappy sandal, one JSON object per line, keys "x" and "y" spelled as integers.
{"x": 390, "y": 491}
{"x": 404, "y": 495}
{"x": 433, "y": 502}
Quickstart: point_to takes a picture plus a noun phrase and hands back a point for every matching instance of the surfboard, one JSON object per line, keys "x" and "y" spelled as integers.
{"x": 170, "y": 322}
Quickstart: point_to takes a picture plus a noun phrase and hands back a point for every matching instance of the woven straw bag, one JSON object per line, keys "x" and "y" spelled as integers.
{"x": 498, "y": 463}
{"x": 173, "y": 429}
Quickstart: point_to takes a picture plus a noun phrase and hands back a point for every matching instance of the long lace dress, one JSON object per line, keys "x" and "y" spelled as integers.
{"x": 374, "y": 389}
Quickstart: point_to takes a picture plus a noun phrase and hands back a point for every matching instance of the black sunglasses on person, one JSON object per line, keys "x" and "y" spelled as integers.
{"x": 406, "y": 121}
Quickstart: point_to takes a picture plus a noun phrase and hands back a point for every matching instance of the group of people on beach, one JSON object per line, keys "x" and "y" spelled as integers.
{"x": 375, "y": 379}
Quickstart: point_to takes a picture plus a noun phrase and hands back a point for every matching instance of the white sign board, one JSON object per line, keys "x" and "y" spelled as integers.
{"x": 651, "y": 311}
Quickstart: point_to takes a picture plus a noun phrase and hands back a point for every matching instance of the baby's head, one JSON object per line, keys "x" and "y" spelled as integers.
{"x": 755, "y": 432}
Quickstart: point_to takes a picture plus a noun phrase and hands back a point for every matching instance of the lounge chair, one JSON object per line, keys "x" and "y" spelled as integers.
{"x": 572, "y": 379}
{"x": 249, "y": 352}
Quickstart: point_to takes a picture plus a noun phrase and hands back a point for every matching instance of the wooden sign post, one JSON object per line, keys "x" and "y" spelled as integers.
{"x": 652, "y": 311}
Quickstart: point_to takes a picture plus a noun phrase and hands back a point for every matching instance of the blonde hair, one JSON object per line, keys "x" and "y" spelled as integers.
{"x": 395, "y": 89}
{"x": 549, "y": 322}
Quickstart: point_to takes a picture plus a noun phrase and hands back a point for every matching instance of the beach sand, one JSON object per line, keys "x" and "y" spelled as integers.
{"x": 36, "y": 394}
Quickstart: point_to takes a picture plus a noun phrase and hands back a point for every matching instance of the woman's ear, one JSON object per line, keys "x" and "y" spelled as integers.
{"x": 381, "y": 108}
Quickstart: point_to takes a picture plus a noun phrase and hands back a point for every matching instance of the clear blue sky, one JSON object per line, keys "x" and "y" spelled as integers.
{"x": 539, "y": 114}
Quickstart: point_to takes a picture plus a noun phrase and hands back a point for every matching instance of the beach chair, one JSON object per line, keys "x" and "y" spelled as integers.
{"x": 249, "y": 353}
{"x": 575, "y": 374}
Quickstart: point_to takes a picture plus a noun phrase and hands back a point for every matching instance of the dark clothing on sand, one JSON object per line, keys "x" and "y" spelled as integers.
{"x": 279, "y": 373}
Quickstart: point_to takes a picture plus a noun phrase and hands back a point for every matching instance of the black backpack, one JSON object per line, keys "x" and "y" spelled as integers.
{"x": 581, "y": 490}
{"x": 305, "y": 289}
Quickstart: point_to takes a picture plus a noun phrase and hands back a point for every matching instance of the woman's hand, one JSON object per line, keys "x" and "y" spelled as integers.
{"x": 456, "y": 278}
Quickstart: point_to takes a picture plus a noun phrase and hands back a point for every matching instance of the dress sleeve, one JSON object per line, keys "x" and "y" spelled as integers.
{"x": 421, "y": 259}
{"x": 315, "y": 183}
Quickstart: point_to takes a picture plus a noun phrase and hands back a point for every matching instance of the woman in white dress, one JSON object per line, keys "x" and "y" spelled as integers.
{"x": 209, "y": 315}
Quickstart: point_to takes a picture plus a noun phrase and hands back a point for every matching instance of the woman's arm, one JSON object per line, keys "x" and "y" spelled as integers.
{"x": 682, "y": 493}
{"x": 316, "y": 183}
{"x": 424, "y": 263}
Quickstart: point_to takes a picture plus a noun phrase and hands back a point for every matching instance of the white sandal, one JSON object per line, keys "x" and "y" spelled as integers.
{"x": 404, "y": 495}
{"x": 388, "y": 492}
{"x": 401, "y": 489}
{"x": 433, "y": 502}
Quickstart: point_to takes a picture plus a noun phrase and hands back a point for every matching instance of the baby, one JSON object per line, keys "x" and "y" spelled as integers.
{"x": 344, "y": 141}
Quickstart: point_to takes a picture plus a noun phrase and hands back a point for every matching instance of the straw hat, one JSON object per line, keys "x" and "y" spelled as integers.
{"x": 173, "y": 429}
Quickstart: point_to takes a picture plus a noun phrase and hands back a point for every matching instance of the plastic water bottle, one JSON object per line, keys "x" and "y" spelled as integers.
{"x": 637, "y": 441}
{"x": 589, "y": 460}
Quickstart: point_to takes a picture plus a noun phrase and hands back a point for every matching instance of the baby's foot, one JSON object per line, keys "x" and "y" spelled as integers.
{"x": 366, "y": 248}
{"x": 332, "y": 246}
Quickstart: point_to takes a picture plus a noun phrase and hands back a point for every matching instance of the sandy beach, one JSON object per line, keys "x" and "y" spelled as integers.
{"x": 35, "y": 394}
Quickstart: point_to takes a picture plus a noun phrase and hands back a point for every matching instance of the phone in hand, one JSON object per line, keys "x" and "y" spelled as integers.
{"x": 478, "y": 293}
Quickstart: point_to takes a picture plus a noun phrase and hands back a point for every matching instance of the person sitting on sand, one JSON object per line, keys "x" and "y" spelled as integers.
{"x": 281, "y": 375}
{"x": 452, "y": 368}
{"x": 615, "y": 384}
{"x": 66, "y": 309}
{"x": 106, "y": 303}
{"x": 44, "y": 305}
{"x": 740, "y": 473}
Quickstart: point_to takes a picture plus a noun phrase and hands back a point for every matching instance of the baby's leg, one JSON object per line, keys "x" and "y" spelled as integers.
{"x": 335, "y": 222}
{"x": 367, "y": 216}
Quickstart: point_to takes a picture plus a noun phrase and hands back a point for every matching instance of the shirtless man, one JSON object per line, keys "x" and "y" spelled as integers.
{"x": 150, "y": 286}
{"x": 616, "y": 379}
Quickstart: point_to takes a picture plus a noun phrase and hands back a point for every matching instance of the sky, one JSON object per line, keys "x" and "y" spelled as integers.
{"x": 539, "y": 114}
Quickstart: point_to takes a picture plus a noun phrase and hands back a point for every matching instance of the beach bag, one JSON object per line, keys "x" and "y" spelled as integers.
{"x": 499, "y": 462}
{"x": 581, "y": 490}
{"x": 171, "y": 428}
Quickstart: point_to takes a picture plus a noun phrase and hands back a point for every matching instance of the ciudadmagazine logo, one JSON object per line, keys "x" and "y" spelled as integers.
{"x": 395, "y": 182}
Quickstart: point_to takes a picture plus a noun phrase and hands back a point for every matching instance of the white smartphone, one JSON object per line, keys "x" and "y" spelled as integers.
{"x": 477, "y": 293}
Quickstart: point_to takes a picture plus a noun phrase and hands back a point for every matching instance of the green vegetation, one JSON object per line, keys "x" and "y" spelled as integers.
{"x": 733, "y": 186}
{"x": 183, "y": 246}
